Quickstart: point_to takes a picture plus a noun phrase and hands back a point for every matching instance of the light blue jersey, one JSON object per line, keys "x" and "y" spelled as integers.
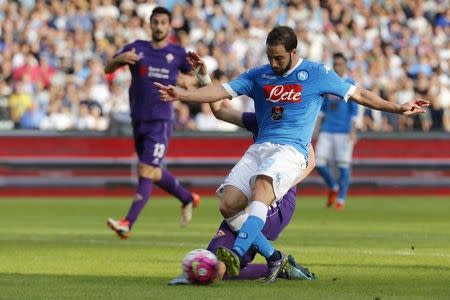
{"x": 287, "y": 105}
{"x": 338, "y": 114}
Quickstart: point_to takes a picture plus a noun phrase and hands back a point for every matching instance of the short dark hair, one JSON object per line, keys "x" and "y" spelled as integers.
{"x": 282, "y": 35}
{"x": 337, "y": 55}
{"x": 161, "y": 10}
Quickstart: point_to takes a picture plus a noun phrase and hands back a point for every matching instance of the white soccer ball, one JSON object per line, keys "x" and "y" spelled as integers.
{"x": 200, "y": 266}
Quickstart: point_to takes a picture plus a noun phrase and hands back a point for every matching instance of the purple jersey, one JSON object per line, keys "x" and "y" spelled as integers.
{"x": 155, "y": 65}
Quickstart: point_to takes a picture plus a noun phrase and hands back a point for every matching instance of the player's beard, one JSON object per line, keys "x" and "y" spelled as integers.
{"x": 287, "y": 68}
{"x": 159, "y": 37}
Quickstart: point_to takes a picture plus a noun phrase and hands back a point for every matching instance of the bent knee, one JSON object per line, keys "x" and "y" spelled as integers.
{"x": 150, "y": 172}
{"x": 232, "y": 202}
{"x": 229, "y": 209}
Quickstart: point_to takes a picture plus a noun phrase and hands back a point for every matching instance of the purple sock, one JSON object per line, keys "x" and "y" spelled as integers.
{"x": 171, "y": 185}
{"x": 140, "y": 199}
{"x": 250, "y": 272}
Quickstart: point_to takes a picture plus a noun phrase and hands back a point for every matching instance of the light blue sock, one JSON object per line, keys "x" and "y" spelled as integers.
{"x": 247, "y": 235}
{"x": 344, "y": 181}
{"x": 263, "y": 246}
{"x": 324, "y": 171}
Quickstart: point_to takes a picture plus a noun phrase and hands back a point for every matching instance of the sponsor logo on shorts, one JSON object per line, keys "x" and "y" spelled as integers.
{"x": 278, "y": 177}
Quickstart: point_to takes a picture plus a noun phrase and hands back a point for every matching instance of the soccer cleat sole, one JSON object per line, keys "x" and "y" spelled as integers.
{"x": 230, "y": 260}
{"x": 120, "y": 234}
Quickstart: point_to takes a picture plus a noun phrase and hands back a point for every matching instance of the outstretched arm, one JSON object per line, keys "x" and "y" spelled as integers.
{"x": 206, "y": 94}
{"x": 129, "y": 57}
{"x": 227, "y": 113}
{"x": 369, "y": 99}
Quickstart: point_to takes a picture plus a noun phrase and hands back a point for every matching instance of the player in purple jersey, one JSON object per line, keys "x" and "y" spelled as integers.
{"x": 288, "y": 93}
{"x": 152, "y": 119}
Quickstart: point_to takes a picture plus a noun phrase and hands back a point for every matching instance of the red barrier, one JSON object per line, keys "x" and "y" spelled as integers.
{"x": 64, "y": 148}
{"x": 197, "y": 147}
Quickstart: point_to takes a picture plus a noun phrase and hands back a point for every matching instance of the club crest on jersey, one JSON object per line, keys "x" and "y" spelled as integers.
{"x": 277, "y": 112}
{"x": 302, "y": 75}
{"x": 283, "y": 93}
{"x": 169, "y": 57}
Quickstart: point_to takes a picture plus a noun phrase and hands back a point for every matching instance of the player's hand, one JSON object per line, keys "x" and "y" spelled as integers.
{"x": 168, "y": 93}
{"x": 414, "y": 107}
{"x": 129, "y": 57}
{"x": 197, "y": 64}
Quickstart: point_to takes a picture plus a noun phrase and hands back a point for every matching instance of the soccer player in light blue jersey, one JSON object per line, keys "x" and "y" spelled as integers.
{"x": 336, "y": 138}
{"x": 288, "y": 93}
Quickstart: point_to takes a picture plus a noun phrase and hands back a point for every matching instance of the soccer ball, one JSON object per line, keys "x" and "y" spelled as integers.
{"x": 200, "y": 266}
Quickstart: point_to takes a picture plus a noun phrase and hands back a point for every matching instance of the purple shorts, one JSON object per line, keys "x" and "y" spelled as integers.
{"x": 151, "y": 139}
{"x": 277, "y": 219}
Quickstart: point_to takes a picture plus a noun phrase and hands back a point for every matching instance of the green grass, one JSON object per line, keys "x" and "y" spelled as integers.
{"x": 379, "y": 247}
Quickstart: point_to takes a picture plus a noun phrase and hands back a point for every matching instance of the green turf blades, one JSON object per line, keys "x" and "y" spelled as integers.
{"x": 61, "y": 249}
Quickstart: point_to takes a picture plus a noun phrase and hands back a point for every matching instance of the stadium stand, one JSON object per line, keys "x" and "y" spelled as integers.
{"x": 58, "y": 110}
{"x": 52, "y": 54}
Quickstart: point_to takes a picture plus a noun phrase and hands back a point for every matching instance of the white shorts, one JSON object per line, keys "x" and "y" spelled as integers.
{"x": 283, "y": 163}
{"x": 334, "y": 147}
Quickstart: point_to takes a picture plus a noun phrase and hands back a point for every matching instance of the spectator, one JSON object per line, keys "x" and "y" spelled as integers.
{"x": 32, "y": 117}
{"x": 183, "y": 119}
{"x": 45, "y": 41}
{"x": 19, "y": 102}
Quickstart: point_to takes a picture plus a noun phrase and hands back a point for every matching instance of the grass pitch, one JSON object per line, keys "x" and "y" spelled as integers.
{"x": 378, "y": 248}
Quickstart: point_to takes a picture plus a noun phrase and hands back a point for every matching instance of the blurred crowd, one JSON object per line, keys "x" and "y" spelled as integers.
{"x": 52, "y": 55}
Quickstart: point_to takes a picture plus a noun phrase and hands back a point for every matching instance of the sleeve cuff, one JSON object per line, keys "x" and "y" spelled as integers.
{"x": 350, "y": 92}
{"x": 230, "y": 91}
